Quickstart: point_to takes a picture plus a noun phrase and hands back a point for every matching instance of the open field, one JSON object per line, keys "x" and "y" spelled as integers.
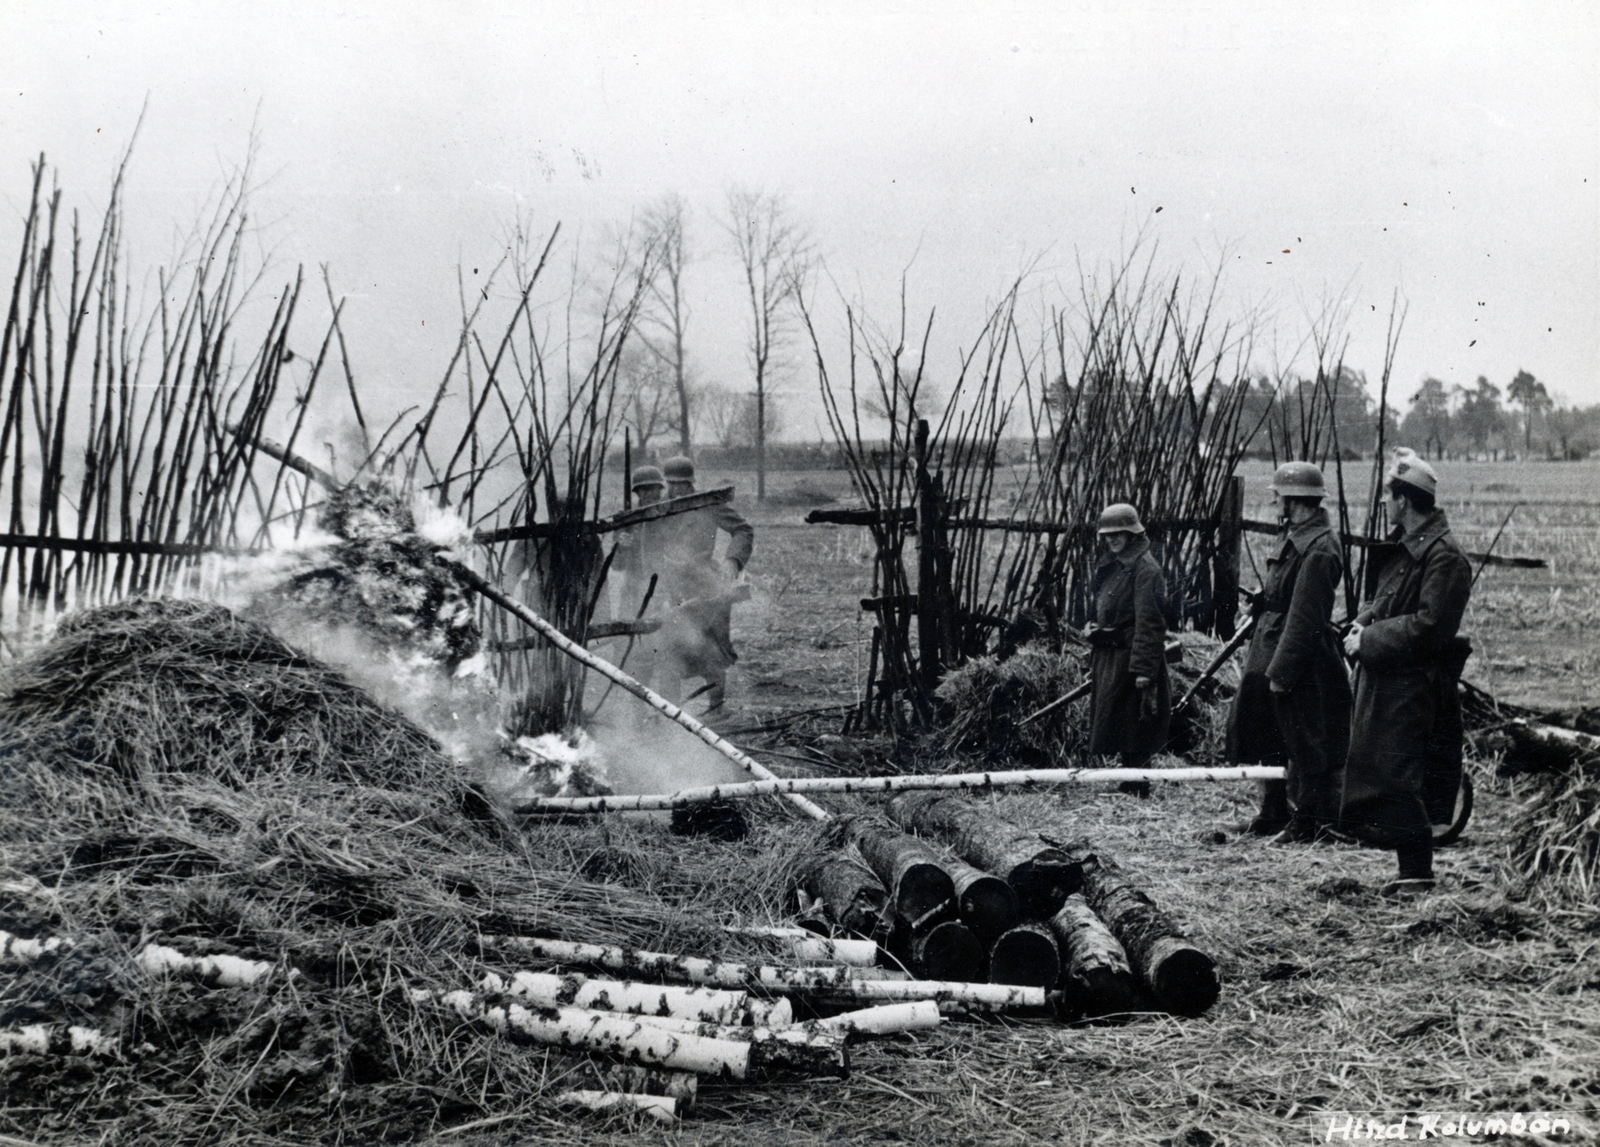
{"x": 1476, "y": 999}
{"x": 1480, "y": 999}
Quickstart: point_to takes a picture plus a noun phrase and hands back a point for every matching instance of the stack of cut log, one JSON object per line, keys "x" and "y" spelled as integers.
{"x": 729, "y": 1020}
{"x": 1015, "y": 908}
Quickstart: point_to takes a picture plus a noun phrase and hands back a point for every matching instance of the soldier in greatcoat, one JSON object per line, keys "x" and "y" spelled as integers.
{"x": 694, "y": 591}
{"x": 1293, "y": 703}
{"x": 1131, "y": 700}
{"x": 1406, "y": 731}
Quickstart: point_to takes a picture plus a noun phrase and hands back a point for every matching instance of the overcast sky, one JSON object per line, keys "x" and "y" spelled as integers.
{"x": 1441, "y": 149}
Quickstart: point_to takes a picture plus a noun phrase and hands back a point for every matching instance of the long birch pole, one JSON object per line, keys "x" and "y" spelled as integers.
{"x": 792, "y": 786}
{"x": 649, "y": 696}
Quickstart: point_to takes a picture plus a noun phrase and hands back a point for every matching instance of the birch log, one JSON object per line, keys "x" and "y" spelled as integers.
{"x": 851, "y": 893}
{"x": 695, "y": 969}
{"x": 1025, "y": 954}
{"x": 663, "y": 1108}
{"x": 1098, "y": 979}
{"x": 946, "y": 951}
{"x": 1181, "y": 978}
{"x": 1042, "y": 875}
{"x": 547, "y": 990}
{"x": 985, "y": 903}
{"x": 606, "y": 1033}
{"x": 943, "y": 993}
{"x": 921, "y": 891}
{"x": 886, "y": 1019}
{"x": 794, "y": 786}
{"x": 801, "y": 1048}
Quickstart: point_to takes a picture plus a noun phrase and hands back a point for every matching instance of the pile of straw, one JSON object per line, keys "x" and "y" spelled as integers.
{"x": 174, "y": 775}
{"x": 982, "y": 704}
{"x": 1555, "y": 837}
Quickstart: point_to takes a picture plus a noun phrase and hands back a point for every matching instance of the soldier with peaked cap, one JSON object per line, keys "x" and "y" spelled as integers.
{"x": 695, "y": 641}
{"x": 1131, "y": 701}
{"x": 1405, "y": 739}
{"x": 1293, "y": 703}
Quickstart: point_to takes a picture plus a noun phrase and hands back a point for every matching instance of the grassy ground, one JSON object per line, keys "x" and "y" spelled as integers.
{"x": 1481, "y": 998}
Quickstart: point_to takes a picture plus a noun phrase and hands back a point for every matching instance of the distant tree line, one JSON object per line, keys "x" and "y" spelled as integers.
{"x": 1523, "y": 420}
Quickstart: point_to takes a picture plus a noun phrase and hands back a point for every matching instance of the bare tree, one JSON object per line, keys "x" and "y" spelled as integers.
{"x": 775, "y": 254}
{"x": 664, "y": 323}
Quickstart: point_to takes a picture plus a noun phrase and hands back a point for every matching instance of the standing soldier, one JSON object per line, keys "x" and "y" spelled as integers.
{"x": 1407, "y": 726}
{"x": 697, "y": 641}
{"x": 1294, "y": 697}
{"x": 1131, "y": 701}
{"x": 638, "y": 559}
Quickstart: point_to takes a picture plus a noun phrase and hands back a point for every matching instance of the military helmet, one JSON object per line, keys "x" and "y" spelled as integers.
{"x": 678, "y": 469}
{"x": 1410, "y": 470}
{"x": 1298, "y": 480}
{"x": 1119, "y": 516}
{"x": 647, "y": 476}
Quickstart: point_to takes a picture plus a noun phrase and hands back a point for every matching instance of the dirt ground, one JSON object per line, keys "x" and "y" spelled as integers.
{"x": 1467, "y": 1003}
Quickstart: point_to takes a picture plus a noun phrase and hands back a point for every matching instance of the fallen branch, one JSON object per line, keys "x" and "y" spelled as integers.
{"x": 1019, "y": 777}
{"x": 56, "y": 1039}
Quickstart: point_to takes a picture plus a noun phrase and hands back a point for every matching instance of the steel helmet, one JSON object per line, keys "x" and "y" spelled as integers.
{"x": 679, "y": 469}
{"x": 1298, "y": 480}
{"x": 647, "y": 476}
{"x": 1411, "y": 470}
{"x": 1119, "y": 516}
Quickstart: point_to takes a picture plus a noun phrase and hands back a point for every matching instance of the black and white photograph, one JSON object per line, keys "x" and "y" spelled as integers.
{"x": 719, "y": 573}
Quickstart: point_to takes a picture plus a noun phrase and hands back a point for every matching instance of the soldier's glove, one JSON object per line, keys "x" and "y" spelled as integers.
{"x": 1149, "y": 704}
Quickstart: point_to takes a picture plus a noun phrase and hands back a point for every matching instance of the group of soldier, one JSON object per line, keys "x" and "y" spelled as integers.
{"x": 672, "y": 577}
{"x": 1372, "y": 752}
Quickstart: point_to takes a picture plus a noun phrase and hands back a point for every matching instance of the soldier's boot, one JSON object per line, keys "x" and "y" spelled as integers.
{"x": 1274, "y": 815}
{"x": 1415, "y": 856}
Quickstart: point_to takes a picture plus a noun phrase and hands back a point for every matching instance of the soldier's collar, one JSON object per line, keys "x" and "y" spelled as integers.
{"x": 1136, "y": 548}
{"x": 1301, "y": 536}
{"x": 1430, "y": 530}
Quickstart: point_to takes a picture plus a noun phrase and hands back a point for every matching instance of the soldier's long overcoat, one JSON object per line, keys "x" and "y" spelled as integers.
{"x": 1128, "y": 591}
{"x": 1407, "y": 718}
{"x": 679, "y": 551}
{"x": 1294, "y": 645}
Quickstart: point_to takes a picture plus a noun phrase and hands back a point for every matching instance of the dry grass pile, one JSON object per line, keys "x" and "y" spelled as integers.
{"x": 1555, "y": 839}
{"x": 983, "y": 704}
{"x": 174, "y": 775}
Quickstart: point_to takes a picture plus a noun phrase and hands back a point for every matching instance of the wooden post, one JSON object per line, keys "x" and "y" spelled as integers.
{"x": 627, "y": 468}
{"x": 1225, "y": 563}
{"x": 928, "y": 660}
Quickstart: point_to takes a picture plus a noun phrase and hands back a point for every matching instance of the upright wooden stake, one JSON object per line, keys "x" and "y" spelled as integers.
{"x": 1225, "y": 563}
{"x": 928, "y": 659}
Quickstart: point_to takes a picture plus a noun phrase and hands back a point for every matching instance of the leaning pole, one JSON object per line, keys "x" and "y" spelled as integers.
{"x": 603, "y": 667}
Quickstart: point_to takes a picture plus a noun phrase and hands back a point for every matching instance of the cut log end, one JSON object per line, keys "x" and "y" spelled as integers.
{"x": 1044, "y": 882}
{"x": 985, "y": 903}
{"x": 1183, "y": 978}
{"x": 1025, "y": 955}
{"x": 947, "y": 951}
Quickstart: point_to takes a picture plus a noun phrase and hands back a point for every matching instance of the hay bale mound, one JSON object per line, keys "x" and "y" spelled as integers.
{"x": 145, "y": 687}
{"x": 178, "y": 777}
{"x": 982, "y": 703}
{"x": 1555, "y": 838}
